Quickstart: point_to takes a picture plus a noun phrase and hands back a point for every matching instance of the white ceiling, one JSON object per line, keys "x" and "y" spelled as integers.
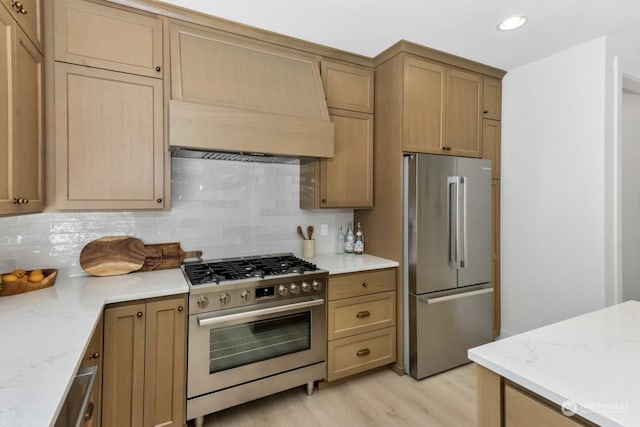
{"x": 462, "y": 27}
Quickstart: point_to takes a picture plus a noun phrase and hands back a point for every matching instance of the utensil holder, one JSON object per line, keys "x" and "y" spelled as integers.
{"x": 309, "y": 248}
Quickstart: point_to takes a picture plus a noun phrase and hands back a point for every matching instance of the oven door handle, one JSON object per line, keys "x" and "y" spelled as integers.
{"x": 208, "y": 321}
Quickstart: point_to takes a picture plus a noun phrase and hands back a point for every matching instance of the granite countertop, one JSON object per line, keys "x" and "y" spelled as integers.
{"x": 350, "y": 263}
{"x": 44, "y": 335}
{"x": 590, "y": 360}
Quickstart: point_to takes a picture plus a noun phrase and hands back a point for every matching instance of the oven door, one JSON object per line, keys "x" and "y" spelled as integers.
{"x": 239, "y": 345}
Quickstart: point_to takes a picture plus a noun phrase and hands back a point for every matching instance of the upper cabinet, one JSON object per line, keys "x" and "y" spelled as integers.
{"x": 105, "y": 37}
{"x": 108, "y": 108}
{"x": 441, "y": 109}
{"x": 21, "y": 120}
{"x": 346, "y": 180}
{"x": 347, "y": 87}
{"x": 28, "y": 14}
{"x": 492, "y": 98}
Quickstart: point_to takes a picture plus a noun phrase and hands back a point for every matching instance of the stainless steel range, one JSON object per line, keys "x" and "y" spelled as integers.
{"x": 256, "y": 327}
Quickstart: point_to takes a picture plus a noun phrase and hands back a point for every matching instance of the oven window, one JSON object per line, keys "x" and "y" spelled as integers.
{"x": 250, "y": 342}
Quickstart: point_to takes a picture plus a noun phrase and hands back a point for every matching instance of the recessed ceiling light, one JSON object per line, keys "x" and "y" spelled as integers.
{"x": 512, "y": 22}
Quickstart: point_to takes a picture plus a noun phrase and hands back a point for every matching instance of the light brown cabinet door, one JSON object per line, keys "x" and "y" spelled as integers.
{"x": 124, "y": 364}
{"x": 21, "y": 138}
{"x": 346, "y": 180}
{"x": 90, "y": 34}
{"x": 347, "y": 86}
{"x": 521, "y": 409}
{"x": 491, "y": 98}
{"x": 462, "y": 134}
{"x": 109, "y": 139}
{"x": 491, "y": 145}
{"x": 165, "y": 387}
{"x": 423, "y": 93}
{"x": 28, "y": 14}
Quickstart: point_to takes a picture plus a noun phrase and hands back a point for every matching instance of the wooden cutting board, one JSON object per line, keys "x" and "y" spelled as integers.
{"x": 169, "y": 255}
{"x": 110, "y": 256}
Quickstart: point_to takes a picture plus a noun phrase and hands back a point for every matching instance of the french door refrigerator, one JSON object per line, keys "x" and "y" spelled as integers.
{"x": 448, "y": 290}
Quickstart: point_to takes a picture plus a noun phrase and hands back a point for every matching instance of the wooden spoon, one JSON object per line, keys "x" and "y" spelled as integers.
{"x": 301, "y": 233}
{"x": 310, "y": 231}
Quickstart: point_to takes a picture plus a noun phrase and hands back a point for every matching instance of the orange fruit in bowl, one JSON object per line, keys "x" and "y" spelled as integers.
{"x": 9, "y": 278}
{"x": 34, "y": 276}
{"x": 19, "y": 273}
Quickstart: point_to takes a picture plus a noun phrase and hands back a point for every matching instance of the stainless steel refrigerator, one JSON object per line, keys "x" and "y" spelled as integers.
{"x": 448, "y": 288}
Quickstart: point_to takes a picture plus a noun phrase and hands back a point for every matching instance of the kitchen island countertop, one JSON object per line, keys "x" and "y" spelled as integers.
{"x": 350, "y": 263}
{"x": 589, "y": 361}
{"x": 45, "y": 333}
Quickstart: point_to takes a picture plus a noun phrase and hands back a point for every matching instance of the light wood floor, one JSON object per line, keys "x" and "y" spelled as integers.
{"x": 381, "y": 398}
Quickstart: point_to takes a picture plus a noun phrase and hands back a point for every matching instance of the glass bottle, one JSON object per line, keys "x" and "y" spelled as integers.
{"x": 340, "y": 242}
{"x": 358, "y": 245}
{"x": 349, "y": 239}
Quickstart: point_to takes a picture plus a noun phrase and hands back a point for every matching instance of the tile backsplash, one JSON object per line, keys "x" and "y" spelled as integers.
{"x": 223, "y": 208}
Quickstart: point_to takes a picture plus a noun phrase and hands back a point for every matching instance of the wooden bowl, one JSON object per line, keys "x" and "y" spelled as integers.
{"x": 23, "y": 284}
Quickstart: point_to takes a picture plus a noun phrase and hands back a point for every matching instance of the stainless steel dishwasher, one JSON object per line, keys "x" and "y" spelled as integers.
{"x": 77, "y": 408}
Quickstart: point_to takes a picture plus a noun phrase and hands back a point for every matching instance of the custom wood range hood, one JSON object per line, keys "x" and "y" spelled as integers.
{"x": 241, "y": 99}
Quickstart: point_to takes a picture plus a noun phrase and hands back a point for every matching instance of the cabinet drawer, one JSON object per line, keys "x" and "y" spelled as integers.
{"x": 524, "y": 410}
{"x": 360, "y": 353}
{"x": 357, "y": 284}
{"x": 105, "y": 37}
{"x": 353, "y": 316}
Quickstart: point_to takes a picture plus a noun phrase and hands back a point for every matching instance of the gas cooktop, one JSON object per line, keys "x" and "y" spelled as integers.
{"x": 242, "y": 268}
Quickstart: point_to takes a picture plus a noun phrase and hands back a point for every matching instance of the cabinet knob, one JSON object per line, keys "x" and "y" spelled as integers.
{"x": 94, "y": 355}
{"x": 20, "y": 201}
{"x": 180, "y": 308}
{"x": 18, "y": 7}
{"x": 364, "y": 352}
{"x": 158, "y": 68}
{"x": 365, "y": 284}
{"x": 324, "y": 200}
{"x": 485, "y": 112}
{"x": 159, "y": 200}
{"x": 139, "y": 314}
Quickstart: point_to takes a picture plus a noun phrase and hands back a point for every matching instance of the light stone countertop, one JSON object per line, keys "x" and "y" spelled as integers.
{"x": 44, "y": 334}
{"x": 350, "y": 263}
{"x": 592, "y": 360}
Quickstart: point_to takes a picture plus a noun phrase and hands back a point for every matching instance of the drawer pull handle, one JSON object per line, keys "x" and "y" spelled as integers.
{"x": 364, "y": 352}
{"x": 365, "y": 284}
{"x": 362, "y": 314}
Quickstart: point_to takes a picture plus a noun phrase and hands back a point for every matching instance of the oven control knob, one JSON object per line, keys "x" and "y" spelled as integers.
{"x": 225, "y": 298}
{"x": 202, "y": 301}
{"x": 245, "y": 295}
{"x": 283, "y": 290}
{"x": 305, "y": 287}
{"x": 295, "y": 289}
{"x": 317, "y": 286}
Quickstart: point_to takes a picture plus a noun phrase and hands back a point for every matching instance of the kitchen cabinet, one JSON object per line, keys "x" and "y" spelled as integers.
{"x": 93, "y": 357}
{"x": 491, "y": 98}
{"x": 109, "y": 139}
{"x": 491, "y": 147}
{"x": 28, "y": 15}
{"x": 361, "y": 322}
{"x": 346, "y": 180}
{"x": 99, "y": 36}
{"x": 144, "y": 363}
{"x": 21, "y": 121}
{"x": 108, "y": 108}
{"x": 441, "y": 109}
{"x": 347, "y": 86}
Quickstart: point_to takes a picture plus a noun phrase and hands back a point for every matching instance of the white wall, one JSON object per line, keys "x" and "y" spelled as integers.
{"x": 223, "y": 208}
{"x": 552, "y": 201}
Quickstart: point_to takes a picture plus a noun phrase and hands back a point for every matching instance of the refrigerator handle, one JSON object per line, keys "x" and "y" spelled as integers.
{"x": 463, "y": 233}
{"x": 453, "y": 183}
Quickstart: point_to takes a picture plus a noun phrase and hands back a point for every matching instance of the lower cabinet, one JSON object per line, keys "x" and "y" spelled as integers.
{"x": 144, "y": 363}
{"x": 361, "y": 322}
